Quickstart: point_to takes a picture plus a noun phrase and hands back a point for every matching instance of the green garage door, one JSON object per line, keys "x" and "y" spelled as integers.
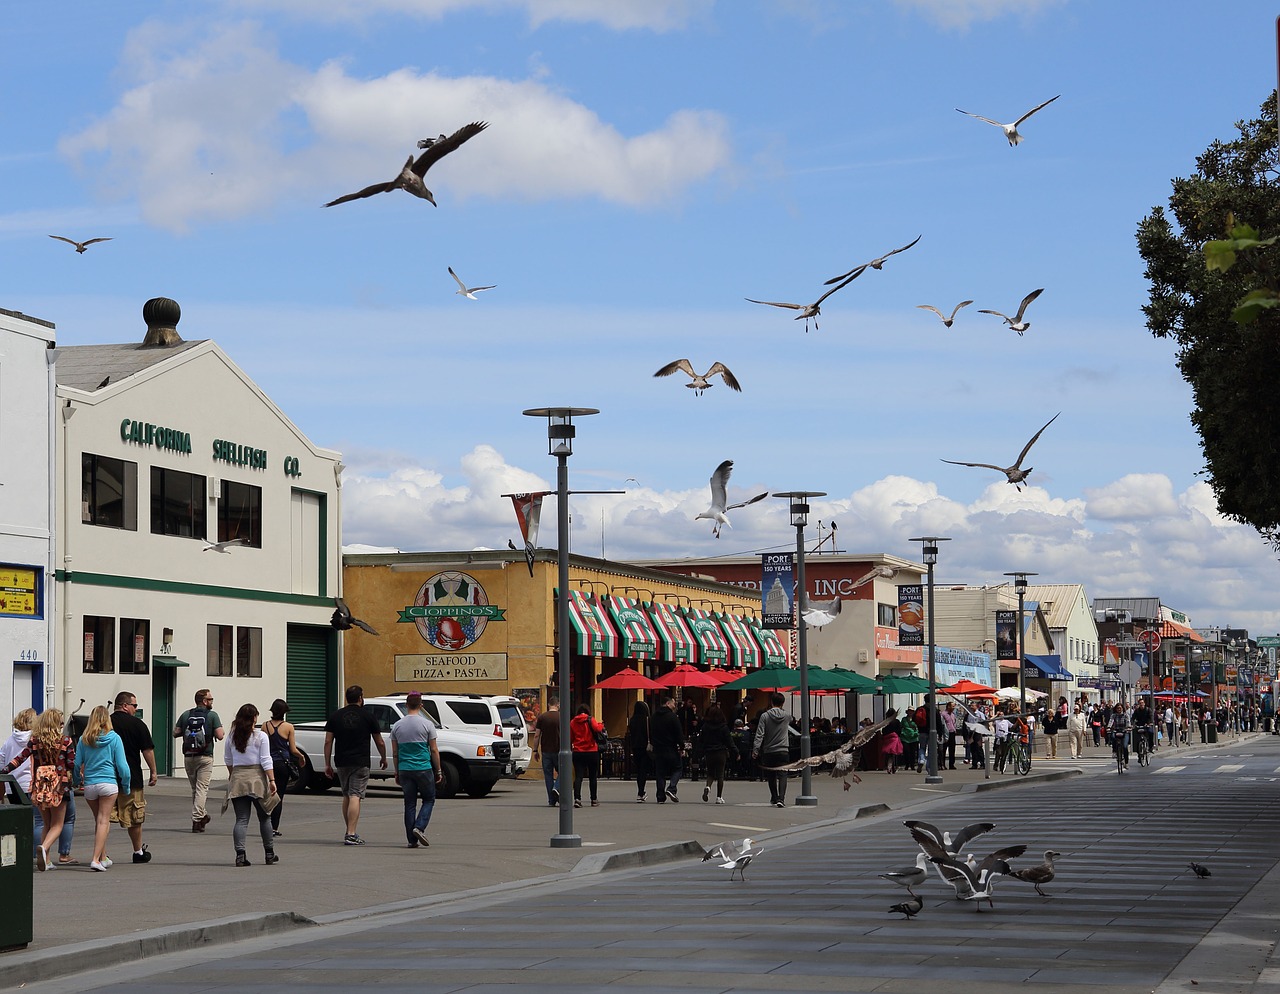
{"x": 312, "y": 672}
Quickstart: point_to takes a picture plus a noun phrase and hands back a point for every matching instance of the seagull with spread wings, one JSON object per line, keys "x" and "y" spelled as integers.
{"x": 223, "y": 547}
{"x": 876, "y": 264}
{"x": 844, "y": 759}
{"x": 945, "y": 840}
{"x": 976, "y": 881}
{"x": 947, "y": 322}
{"x": 816, "y": 614}
{"x": 80, "y": 246}
{"x": 343, "y": 620}
{"x": 410, "y": 179}
{"x": 1016, "y": 322}
{"x": 467, "y": 291}
{"x": 701, "y": 381}
{"x": 1011, "y": 130}
{"x": 1015, "y": 474}
{"x": 729, "y": 850}
{"x": 808, "y": 311}
{"x": 720, "y": 498}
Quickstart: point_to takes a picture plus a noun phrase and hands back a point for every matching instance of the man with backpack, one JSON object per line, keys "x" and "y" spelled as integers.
{"x": 199, "y": 728}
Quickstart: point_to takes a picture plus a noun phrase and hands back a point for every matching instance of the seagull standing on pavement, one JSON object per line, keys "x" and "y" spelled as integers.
{"x": 910, "y": 876}
{"x": 947, "y": 322}
{"x": 702, "y": 381}
{"x": 1038, "y": 875}
{"x": 412, "y": 172}
{"x": 80, "y": 246}
{"x": 1011, "y": 130}
{"x": 729, "y": 850}
{"x": 1014, "y": 474}
{"x": 468, "y": 291}
{"x": 1016, "y": 322}
{"x": 720, "y": 498}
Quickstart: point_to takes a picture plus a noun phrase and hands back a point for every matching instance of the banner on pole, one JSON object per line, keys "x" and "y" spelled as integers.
{"x": 1006, "y": 635}
{"x": 910, "y": 614}
{"x": 528, "y": 515}
{"x": 777, "y": 590}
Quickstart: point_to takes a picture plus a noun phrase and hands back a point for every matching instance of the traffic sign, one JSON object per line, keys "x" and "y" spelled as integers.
{"x": 1151, "y": 639}
{"x": 1110, "y": 667}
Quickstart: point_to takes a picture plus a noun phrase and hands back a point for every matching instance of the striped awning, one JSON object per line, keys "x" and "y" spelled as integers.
{"x": 639, "y": 639}
{"x": 1173, "y": 630}
{"x": 713, "y": 645}
{"x": 774, "y": 651}
{"x": 595, "y": 635}
{"x": 744, "y": 650}
{"x": 678, "y": 643}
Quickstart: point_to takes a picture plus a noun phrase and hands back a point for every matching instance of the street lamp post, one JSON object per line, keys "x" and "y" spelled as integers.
{"x": 1020, "y": 585}
{"x": 929, "y": 549}
{"x": 560, "y": 432}
{"x": 800, "y": 517}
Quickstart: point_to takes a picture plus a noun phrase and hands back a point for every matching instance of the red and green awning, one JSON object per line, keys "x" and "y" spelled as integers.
{"x": 743, "y": 649}
{"x": 774, "y": 652}
{"x": 713, "y": 644}
{"x": 639, "y": 640}
{"x": 594, "y": 634}
{"x": 678, "y": 643}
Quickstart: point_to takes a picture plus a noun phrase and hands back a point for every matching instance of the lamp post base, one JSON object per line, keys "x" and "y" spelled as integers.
{"x": 566, "y": 842}
{"x": 806, "y": 801}
{"x": 933, "y": 778}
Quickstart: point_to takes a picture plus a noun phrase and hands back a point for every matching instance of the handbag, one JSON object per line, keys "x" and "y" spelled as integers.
{"x": 602, "y": 739}
{"x": 46, "y": 787}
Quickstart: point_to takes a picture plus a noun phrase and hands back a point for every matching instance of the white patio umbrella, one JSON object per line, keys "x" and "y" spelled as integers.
{"x": 1013, "y": 694}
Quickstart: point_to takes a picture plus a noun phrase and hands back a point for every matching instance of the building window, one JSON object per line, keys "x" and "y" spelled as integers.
{"x": 886, "y": 616}
{"x": 108, "y": 492}
{"x": 135, "y": 645}
{"x": 177, "y": 503}
{"x": 240, "y": 513}
{"x": 99, "y": 644}
{"x": 248, "y": 652}
{"x": 219, "y": 650}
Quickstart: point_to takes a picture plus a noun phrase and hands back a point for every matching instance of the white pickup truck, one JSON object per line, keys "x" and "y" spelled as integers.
{"x": 473, "y": 761}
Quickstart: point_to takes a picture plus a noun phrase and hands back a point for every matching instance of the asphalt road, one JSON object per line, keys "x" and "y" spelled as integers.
{"x": 1125, "y": 914}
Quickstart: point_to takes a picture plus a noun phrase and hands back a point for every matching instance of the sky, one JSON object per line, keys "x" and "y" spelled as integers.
{"x": 648, "y": 165}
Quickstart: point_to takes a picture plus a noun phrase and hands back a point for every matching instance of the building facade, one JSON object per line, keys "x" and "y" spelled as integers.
{"x": 26, "y": 512}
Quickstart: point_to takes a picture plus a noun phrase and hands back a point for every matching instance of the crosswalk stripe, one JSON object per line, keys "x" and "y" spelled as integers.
{"x": 1229, "y": 768}
{"x": 1169, "y": 769}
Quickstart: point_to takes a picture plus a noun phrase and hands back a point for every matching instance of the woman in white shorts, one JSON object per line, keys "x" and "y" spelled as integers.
{"x": 101, "y": 766}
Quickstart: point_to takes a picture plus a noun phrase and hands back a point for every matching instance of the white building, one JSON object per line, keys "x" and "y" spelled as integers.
{"x": 163, "y": 448}
{"x": 26, "y": 512}
{"x": 1072, "y": 628}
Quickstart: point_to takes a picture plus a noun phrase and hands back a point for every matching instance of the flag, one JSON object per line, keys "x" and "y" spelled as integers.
{"x": 528, "y": 514}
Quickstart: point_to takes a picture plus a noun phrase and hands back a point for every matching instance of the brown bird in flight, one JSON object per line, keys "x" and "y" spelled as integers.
{"x": 703, "y": 381}
{"x": 410, "y": 178}
{"x": 1015, "y": 473}
{"x": 874, "y": 263}
{"x": 808, "y": 311}
{"x": 80, "y": 246}
{"x": 946, "y": 321}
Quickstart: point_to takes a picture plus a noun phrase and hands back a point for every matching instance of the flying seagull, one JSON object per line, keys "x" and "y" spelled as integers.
{"x": 410, "y": 178}
{"x": 703, "y": 381}
{"x": 844, "y": 759}
{"x": 428, "y": 142}
{"x": 1016, "y": 322}
{"x": 1199, "y": 869}
{"x": 729, "y": 850}
{"x": 910, "y": 908}
{"x": 946, "y": 321}
{"x": 1011, "y": 130}
{"x": 819, "y": 613}
{"x": 343, "y": 621}
{"x": 720, "y": 500}
{"x": 1038, "y": 875}
{"x": 80, "y": 246}
{"x": 808, "y": 311}
{"x": 1015, "y": 473}
{"x": 224, "y": 547}
{"x": 876, "y": 264}
{"x": 467, "y": 291}
{"x": 976, "y": 883}
{"x": 949, "y": 844}
{"x": 910, "y": 876}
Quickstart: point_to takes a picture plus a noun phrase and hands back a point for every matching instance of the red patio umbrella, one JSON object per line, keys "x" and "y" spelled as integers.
{"x": 967, "y": 686}
{"x": 685, "y": 675}
{"x": 724, "y": 676}
{"x": 627, "y": 679}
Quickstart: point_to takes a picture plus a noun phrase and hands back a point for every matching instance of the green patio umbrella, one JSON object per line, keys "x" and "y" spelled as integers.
{"x": 825, "y": 679}
{"x": 771, "y": 676}
{"x": 855, "y": 681}
{"x": 903, "y": 684}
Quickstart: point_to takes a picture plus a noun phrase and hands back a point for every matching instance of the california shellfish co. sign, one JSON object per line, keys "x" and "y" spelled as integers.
{"x": 451, "y": 611}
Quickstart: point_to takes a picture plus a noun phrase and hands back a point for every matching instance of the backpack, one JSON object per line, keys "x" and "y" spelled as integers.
{"x": 195, "y": 734}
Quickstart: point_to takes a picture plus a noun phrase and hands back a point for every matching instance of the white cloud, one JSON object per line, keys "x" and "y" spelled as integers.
{"x": 963, "y": 13}
{"x": 618, "y": 15}
{"x": 1135, "y": 497}
{"x": 226, "y": 128}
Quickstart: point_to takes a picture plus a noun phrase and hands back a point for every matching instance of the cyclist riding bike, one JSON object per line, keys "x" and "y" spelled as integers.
{"x": 1142, "y": 732}
{"x": 1118, "y": 731}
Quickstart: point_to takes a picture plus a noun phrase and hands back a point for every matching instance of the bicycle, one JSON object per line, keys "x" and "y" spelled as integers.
{"x": 1120, "y": 747}
{"x": 1017, "y": 755}
{"x": 1142, "y": 744}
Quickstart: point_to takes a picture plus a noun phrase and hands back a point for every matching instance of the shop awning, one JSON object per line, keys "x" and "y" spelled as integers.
{"x": 173, "y": 661}
{"x": 1173, "y": 630}
{"x": 743, "y": 649}
{"x": 593, "y": 631}
{"x": 770, "y": 645}
{"x": 677, "y": 643}
{"x": 713, "y": 645}
{"x": 1048, "y": 668}
{"x": 639, "y": 640}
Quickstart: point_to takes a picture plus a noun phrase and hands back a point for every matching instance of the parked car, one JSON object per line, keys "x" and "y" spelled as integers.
{"x": 472, "y": 758}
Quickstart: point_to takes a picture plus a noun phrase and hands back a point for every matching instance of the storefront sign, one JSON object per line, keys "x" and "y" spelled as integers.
{"x": 451, "y": 610}
{"x": 778, "y": 583}
{"x": 18, "y": 593}
{"x": 145, "y": 433}
{"x": 237, "y": 454}
{"x": 473, "y": 666}
{"x": 910, "y": 614}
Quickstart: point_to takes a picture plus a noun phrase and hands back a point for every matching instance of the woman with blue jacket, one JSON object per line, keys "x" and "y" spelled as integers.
{"x": 101, "y": 766}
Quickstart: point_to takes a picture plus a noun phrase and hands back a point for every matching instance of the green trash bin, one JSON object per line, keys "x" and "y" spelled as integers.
{"x": 1212, "y": 729}
{"x": 17, "y": 828}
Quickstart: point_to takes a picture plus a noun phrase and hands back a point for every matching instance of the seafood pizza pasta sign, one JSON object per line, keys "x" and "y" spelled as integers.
{"x": 451, "y": 611}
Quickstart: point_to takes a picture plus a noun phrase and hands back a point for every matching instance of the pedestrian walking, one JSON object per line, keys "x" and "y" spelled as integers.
{"x": 667, "y": 736}
{"x": 546, "y": 744}
{"x": 772, "y": 747}
{"x": 584, "y": 739}
{"x": 1075, "y": 732}
{"x": 716, "y": 745}
{"x": 891, "y": 741}
{"x": 251, "y": 786}
{"x": 53, "y": 759}
{"x": 909, "y": 733}
{"x": 287, "y": 760}
{"x": 640, "y": 748}
{"x": 950, "y": 725}
{"x": 131, "y": 807}
{"x": 418, "y": 770}
{"x": 101, "y": 767}
{"x": 349, "y": 735}
{"x": 1051, "y": 733}
{"x": 199, "y": 728}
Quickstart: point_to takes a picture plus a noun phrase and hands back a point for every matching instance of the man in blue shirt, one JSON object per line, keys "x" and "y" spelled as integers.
{"x": 417, "y": 759}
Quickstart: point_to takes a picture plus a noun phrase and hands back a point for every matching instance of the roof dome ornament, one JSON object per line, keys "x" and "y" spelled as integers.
{"x": 162, "y": 315}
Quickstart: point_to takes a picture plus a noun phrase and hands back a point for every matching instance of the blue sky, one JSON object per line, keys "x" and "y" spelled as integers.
{"x": 649, "y": 164}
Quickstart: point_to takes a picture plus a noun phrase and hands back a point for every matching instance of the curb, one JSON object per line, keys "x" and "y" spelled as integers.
{"x": 627, "y": 859}
{"x": 20, "y": 969}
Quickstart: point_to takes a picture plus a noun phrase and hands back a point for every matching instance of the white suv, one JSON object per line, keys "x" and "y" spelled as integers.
{"x": 501, "y": 717}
